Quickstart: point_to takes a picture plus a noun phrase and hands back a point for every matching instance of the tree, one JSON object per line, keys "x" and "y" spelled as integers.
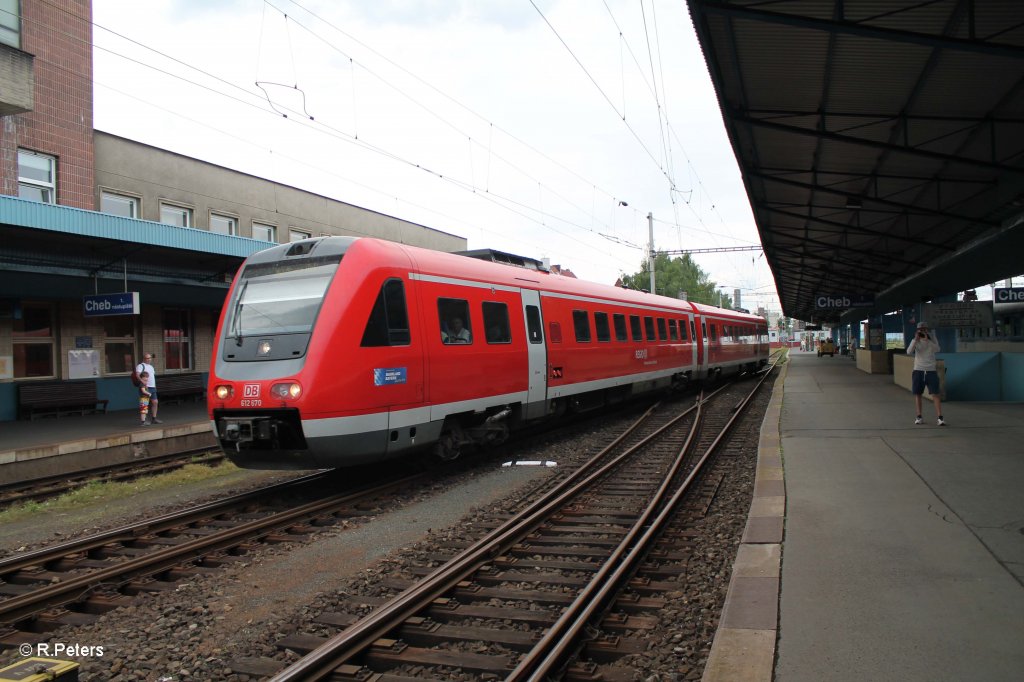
{"x": 673, "y": 275}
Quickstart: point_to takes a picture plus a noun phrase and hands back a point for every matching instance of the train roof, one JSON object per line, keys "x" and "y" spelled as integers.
{"x": 460, "y": 266}
{"x": 471, "y": 267}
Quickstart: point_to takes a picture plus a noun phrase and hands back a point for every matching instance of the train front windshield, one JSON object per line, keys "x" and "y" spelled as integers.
{"x": 280, "y": 298}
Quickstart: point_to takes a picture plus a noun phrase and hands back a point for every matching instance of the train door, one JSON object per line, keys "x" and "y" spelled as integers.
{"x": 700, "y": 334}
{"x": 537, "y": 398}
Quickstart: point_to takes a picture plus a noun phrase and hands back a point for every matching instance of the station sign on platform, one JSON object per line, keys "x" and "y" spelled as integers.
{"x": 957, "y": 314}
{"x": 125, "y": 303}
{"x": 1004, "y": 295}
{"x": 843, "y": 301}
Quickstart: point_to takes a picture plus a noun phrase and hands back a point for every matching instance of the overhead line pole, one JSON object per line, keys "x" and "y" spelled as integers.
{"x": 650, "y": 229}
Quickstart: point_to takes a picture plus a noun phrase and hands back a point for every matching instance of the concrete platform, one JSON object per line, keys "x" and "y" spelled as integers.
{"x": 902, "y": 551}
{"x": 50, "y": 445}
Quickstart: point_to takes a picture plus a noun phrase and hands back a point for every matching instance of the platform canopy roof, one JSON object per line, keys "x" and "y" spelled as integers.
{"x": 881, "y": 142}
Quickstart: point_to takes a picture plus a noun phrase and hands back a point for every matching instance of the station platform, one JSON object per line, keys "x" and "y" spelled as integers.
{"x": 877, "y": 549}
{"x": 50, "y": 445}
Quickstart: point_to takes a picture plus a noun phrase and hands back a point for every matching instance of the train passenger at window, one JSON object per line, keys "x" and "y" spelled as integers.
{"x": 458, "y": 333}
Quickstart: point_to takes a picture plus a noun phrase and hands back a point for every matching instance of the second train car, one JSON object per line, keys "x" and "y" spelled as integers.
{"x": 337, "y": 351}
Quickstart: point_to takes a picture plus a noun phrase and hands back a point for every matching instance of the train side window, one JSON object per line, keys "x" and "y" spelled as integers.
{"x": 682, "y": 330}
{"x": 714, "y": 333}
{"x": 703, "y": 330}
{"x": 581, "y": 323}
{"x": 662, "y": 332}
{"x": 496, "y": 322}
{"x": 534, "y": 329}
{"x": 673, "y": 335}
{"x": 649, "y": 327}
{"x": 619, "y": 321}
{"x": 453, "y": 316}
{"x": 389, "y": 321}
{"x": 634, "y": 324}
{"x": 604, "y": 333}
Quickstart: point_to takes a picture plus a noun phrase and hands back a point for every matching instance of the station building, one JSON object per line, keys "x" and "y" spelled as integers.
{"x": 92, "y": 223}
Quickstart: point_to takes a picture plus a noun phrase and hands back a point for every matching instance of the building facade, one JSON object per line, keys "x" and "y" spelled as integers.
{"x": 85, "y": 214}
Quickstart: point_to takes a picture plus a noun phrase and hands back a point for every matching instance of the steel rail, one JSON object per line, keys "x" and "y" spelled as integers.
{"x": 132, "y": 531}
{"x": 57, "y": 484}
{"x": 551, "y": 651}
{"x": 75, "y": 589}
{"x": 322, "y": 661}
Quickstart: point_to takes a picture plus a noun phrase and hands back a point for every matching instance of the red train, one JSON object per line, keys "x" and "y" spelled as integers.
{"x": 339, "y": 350}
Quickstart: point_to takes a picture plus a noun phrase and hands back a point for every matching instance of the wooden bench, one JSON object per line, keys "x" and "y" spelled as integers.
{"x": 175, "y": 387}
{"x": 59, "y": 398}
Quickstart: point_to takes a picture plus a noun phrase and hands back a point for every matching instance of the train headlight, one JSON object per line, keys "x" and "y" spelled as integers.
{"x": 286, "y": 391}
{"x": 224, "y": 392}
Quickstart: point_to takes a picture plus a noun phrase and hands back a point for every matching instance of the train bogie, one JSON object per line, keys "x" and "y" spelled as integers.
{"x": 337, "y": 351}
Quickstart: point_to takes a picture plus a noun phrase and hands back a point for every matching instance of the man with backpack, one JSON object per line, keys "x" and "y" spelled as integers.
{"x": 146, "y": 366}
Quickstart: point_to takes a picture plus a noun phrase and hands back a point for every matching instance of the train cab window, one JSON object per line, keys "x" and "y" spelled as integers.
{"x": 662, "y": 332}
{"x": 581, "y": 324}
{"x": 620, "y": 326}
{"x": 389, "y": 322}
{"x": 682, "y": 330}
{"x": 453, "y": 316}
{"x": 496, "y": 322}
{"x": 534, "y": 328}
{"x": 601, "y": 327}
{"x": 673, "y": 335}
{"x": 649, "y": 327}
{"x": 634, "y": 325}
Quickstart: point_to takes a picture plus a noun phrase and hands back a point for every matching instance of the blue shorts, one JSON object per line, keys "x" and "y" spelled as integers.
{"x": 152, "y": 394}
{"x": 921, "y": 378}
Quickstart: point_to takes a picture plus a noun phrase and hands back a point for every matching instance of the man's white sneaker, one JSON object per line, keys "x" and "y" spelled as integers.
{"x": 919, "y": 420}
{"x": 940, "y": 421}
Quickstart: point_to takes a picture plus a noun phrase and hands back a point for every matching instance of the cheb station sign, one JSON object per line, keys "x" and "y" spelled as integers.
{"x": 1004, "y": 295}
{"x": 126, "y": 303}
{"x": 843, "y": 301}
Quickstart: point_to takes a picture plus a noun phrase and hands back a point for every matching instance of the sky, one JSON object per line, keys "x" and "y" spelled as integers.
{"x": 544, "y": 128}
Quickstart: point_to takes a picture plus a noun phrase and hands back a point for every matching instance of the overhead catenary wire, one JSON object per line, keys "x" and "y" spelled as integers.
{"x": 476, "y": 182}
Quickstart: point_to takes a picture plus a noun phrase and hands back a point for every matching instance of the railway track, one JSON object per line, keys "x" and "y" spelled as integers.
{"x": 564, "y": 588}
{"x": 74, "y": 582}
{"x": 48, "y": 487}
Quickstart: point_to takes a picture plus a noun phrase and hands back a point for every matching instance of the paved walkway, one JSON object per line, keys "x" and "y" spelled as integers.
{"x": 903, "y": 551}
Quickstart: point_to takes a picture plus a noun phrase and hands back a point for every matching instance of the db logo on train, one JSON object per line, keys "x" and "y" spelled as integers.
{"x": 251, "y": 391}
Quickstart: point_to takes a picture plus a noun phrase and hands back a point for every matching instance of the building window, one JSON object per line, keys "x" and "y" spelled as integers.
{"x": 119, "y": 204}
{"x": 37, "y": 177}
{"x": 264, "y": 232}
{"x": 177, "y": 339}
{"x": 118, "y": 344}
{"x": 10, "y": 23}
{"x": 179, "y": 216}
{"x": 298, "y": 235}
{"x": 222, "y": 224}
{"x": 34, "y": 339}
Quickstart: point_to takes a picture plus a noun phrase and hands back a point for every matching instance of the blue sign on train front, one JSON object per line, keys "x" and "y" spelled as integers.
{"x": 388, "y": 375}
{"x": 125, "y": 303}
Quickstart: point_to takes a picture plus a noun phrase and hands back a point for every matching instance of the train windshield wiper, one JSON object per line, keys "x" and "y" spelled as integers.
{"x": 236, "y": 315}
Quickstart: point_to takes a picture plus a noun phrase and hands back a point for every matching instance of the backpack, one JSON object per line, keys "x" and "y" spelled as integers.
{"x": 136, "y": 380}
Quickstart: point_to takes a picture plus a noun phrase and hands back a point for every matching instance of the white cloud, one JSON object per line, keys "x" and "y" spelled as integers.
{"x": 527, "y": 151}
